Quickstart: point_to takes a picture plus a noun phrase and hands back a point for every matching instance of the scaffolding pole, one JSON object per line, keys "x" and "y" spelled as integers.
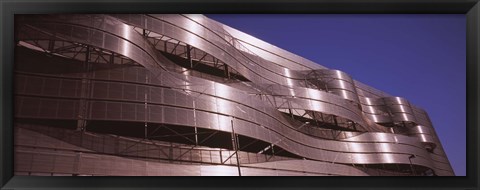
{"x": 235, "y": 148}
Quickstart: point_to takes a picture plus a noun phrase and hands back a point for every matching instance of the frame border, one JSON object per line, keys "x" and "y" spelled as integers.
{"x": 8, "y": 8}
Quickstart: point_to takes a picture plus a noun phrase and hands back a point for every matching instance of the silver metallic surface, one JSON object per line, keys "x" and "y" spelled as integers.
{"x": 278, "y": 83}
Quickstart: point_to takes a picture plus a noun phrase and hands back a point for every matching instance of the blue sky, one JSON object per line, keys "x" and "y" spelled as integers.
{"x": 418, "y": 57}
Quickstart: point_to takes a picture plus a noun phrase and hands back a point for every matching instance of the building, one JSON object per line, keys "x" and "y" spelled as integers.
{"x": 186, "y": 95}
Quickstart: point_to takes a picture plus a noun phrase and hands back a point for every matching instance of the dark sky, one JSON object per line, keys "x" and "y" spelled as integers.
{"x": 418, "y": 57}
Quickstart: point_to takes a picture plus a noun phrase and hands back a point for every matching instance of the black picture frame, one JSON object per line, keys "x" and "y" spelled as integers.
{"x": 9, "y": 8}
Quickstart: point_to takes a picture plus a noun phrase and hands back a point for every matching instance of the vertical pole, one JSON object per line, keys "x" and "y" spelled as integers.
{"x": 81, "y": 122}
{"x": 189, "y": 56}
{"x": 335, "y": 120}
{"x": 165, "y": 46}
{"x": 51, "y": 44}
{"x": 112, "y": 56}
{"x": 273, "y": 151}
{"x": 235, "y": 148}
{"x": 145, "y": 98}
{"x": 221, "y": 157}
{"x": 290, "y": 110}
{"x": 411, "y": 165}
{"x": 195, "y": 123}
{"x": 227, "y": 73}
{"x": 291, "y": 113}
{"x": 315, "y": 118}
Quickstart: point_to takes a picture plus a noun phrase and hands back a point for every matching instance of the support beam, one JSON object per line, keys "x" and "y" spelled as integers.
{"x": 335, "y": 120}
{"x": 315, "y": 118}
{"x": 146, "y": 105}
{"x": 199, "y": 61}
{"x": 235, "y": 147}
{"x": 165, "y": 45}
{"x": 189, "y": 56}
{"x": 195, "y": 122}
{"x": 51, "y": 45}
{"x": 175, "y": 48}
{"x": 204, "y": 140}
{"x": 112, "y": 58}
{"x": 85, "y": 85}
{"x": 226, "y": 71}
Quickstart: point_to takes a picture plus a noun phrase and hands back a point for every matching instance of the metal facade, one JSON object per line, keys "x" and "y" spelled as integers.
{"x": 185, "y": 95}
